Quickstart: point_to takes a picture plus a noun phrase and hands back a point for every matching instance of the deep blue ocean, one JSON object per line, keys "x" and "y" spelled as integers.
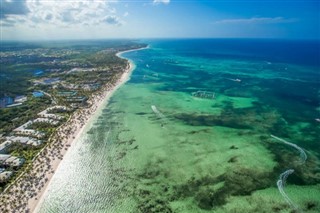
{"x": 302, "y": 52}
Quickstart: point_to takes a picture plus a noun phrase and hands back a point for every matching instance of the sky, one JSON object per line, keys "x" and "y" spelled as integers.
{"x": 102, "y": 19}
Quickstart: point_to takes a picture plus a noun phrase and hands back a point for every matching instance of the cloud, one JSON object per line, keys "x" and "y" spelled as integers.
{"x": 161, "y": 1}
{"x": 261, "y": 20}
{"x": 8, "y": 23}
{"x": 13, "y": 7}
{"x": 113, "y": 20}
{"x": 60, "y": 13}
{"x": 48, "y": 17}
{"x": 125, "y": 14}
{"x": 12, "y": 20}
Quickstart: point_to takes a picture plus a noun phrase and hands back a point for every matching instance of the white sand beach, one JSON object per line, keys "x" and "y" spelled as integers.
{"x": 28, "y": 191}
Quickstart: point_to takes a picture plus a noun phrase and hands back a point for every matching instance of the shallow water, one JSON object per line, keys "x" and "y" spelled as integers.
{"x": 200, "y": 154}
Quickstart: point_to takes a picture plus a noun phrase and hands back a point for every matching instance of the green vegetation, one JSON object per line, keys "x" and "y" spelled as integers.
{"x": 26, "y": 152}
{"x": 106, "y": 59}
{"x": 44, "y": 127}
{"x": 20, "y": 61}
{"x": 11, "y": 118}
{"x": 82, "y": 67}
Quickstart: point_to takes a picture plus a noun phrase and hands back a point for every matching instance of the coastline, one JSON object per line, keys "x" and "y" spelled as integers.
{"x": 35, "y": 205}
{"x": 119, "y": 54}
{"x": 48, "y": 160}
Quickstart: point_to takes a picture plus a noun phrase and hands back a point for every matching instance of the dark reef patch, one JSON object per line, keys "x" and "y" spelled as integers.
{"x": 141, "y": 113}
{"x": 148, "y": 202}
{"x": 233, "y": 159}
{"x": 198, "y": 131}
{"x": 210, "y": 120}
{"x": 233, "y": 147}
{"x": 258, "y": 118}
{"x": 311, "y": 205}
{"x": 211, "y": 192}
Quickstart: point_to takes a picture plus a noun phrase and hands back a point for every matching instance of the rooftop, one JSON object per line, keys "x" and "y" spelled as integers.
{"x": 14, "y": 161}
{"x": 4, "y": 157}
{"x": 67, "y": 93}
{"x": 4, "y": 145}
{"x": 46, "y": 120}
{"x": 4, "y": 176}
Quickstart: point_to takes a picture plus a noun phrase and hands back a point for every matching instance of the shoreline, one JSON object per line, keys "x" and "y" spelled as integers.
{"x": 35, "y": 205}
{"x": 48, "y": 160}
{"x": 119, "y": 54}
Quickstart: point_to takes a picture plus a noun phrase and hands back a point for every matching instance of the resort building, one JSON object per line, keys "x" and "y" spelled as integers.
{"x": 60, "y": 108}
{"x": 51, "y": 116}
{"x": 67, "y": 93}
{"x": 78, "y": 99}
{"x": 24, "y": 140}
{"x": 4, "y": 157}
{"x": 4, "y": 146}
{"x": 14, "y": 105}
{"x": 78, "y": 69}
{"x": 23, "y": 127}
{"x": 20, "y": 99}
{"x": 8, "y": 160}
{"x": 4, "y": 175}
{"x": 72, "y": 97}
{"x": 47, "y": 81}
{"x": 44, "y": 117}
{"x": 46, "y": 113}
{"x": 22, "y": 130}
{"x": 46, "y": 120}
{"x": 90, "y": 87}
{"x": 4, "y": 102}
{"x": 12, "y": 102}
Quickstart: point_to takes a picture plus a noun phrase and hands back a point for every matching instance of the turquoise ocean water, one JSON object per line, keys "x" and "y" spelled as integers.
{"x": 191, "y": 132}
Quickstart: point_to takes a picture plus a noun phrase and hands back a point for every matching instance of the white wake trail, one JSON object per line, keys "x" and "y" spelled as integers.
{"x": 303, "y": 155}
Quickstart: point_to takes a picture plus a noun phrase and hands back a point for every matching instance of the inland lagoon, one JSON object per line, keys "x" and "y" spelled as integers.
{"x": 220, "y": 125}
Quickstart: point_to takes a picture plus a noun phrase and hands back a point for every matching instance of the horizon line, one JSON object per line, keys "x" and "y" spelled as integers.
{"x": 157, "y": 38}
